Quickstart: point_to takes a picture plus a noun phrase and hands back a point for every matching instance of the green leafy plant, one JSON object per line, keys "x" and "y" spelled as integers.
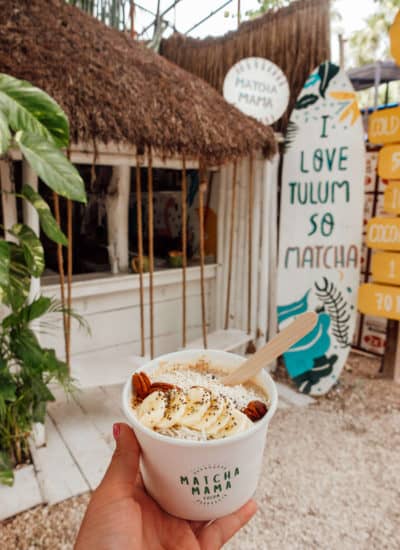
{"x": 33, "y": 122}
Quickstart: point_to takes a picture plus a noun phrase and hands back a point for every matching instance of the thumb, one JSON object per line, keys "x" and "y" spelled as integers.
{"x": 123, "y": 470}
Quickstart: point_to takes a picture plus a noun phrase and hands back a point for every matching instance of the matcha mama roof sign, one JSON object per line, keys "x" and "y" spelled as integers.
{"x": 258, "y": 88}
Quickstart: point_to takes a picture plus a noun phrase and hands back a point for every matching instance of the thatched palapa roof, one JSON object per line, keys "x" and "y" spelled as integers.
{"x": 296, "y": 38}
{"x": 115, "y": 89}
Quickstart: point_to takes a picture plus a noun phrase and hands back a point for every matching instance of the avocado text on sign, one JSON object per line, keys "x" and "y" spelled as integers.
{"x": 385, "y": 267}
{"x": 383, "y": 233}
{"x": 389, "y": 162}
{"x": 384, "y": 126}
{"x": 379, "y": 300}
{"x": 391, "y": 197}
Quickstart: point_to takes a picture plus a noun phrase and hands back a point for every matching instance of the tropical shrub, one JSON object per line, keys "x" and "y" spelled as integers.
{"x": 33, "y": 122}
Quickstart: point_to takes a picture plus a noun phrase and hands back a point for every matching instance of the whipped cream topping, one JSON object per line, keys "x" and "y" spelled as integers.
{"x": 199, "y": 407}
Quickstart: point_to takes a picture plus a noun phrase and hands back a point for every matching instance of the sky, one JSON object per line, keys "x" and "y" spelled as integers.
{"x": 189, "y": 12}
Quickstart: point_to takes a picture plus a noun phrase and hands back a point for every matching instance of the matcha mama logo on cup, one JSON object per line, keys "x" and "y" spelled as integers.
{"x": 202, "y": 480}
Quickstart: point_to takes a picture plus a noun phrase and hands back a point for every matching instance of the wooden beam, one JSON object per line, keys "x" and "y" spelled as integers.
{"x": 391, "y": 359}
{"x": 8, "y": 199}
{"x": 117, "y": 207}
{"x": 31, "y": 218}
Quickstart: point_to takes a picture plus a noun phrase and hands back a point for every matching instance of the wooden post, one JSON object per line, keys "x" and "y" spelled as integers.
{"x": 184, "y": 249}
{"x": 69, "y": 279}
{"x": 117, "y": 207}
{"x": 250, "y": 237}
{"x": 342, "y": 42}
{"x": 221, "y": 184}
{"x": 140, "y": 250}
{"x": 151, "y": 247}
{"x": 391, "y": 359}
{"x": 266, "y": 223}
{"x": 231, "y": 239}
{"x": 60, "y": 261}
{"x": 31, "y": 218}
{"x": 8, "y": 199}
{"x": 202, "y": 190}
{"x": 273, "y": 246}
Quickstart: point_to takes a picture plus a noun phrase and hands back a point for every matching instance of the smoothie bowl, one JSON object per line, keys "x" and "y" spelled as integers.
{"x": 202, "y": 442}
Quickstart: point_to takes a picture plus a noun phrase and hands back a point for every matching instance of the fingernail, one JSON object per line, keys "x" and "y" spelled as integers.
{"x": 116, "y": 431}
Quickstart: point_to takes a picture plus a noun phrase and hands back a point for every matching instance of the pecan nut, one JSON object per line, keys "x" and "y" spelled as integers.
{"x": 162, "y": 386}
{"x": 141, "y": 384}
{"x": 255, "y": 410}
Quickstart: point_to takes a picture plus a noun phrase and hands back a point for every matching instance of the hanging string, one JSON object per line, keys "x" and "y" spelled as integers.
{"x": 151, "y": 247}
{"x": 202, "y": 190}
{"x": 140, "y": 250}
{"x": 69, "y": 274}
{"x": 232, "y": 232}
{"x": 60, "y": 262}
{"x": 184, "y": 248}
{"x": 250, "y": 249}
{"x": 69, "y": 280}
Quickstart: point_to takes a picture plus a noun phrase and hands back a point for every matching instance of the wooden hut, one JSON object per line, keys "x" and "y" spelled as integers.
{"x": 137, "y": 119}
{"x": 296, "y": 38}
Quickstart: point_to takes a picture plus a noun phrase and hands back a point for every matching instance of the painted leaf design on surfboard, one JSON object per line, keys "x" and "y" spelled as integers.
{"x": 336, "y": 306}
{"x": 326, "y": 71}
{"x": 305, "y": 101}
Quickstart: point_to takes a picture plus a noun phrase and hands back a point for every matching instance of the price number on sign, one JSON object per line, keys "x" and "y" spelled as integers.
{"x": 385, "y": 267}
{"x": 379, "y": 300}
{"x": 391, "y": 197}
{"x": 389, "y": 162}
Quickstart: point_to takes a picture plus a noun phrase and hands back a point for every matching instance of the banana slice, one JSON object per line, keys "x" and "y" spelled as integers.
{"x": 152, "y": 409}
{"x": 198, "y": 401}
{"x": 222, "y": 420}
{"x": 214, "y": 411}
{"x": 175, "y": 409}
{"x": 238, "y": 422}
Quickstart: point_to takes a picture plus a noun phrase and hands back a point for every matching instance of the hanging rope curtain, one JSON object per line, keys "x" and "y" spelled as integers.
{"x": 184, "y": 248}
{"x": 61, "y": 274}
{"x": 231, "y": 238}
{"x": 140, "y": 250}
{"x": 250, "y": 236}
{"x": 202, "y": 190}
{"x": 151, "y": 247}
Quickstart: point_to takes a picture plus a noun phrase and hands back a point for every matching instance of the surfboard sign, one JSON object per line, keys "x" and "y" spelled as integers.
{"x": 321, "y": 218}
{"x": 258, "y": 88}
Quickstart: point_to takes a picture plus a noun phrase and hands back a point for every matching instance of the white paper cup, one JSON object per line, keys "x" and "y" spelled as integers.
{"x": 202, "y": 480}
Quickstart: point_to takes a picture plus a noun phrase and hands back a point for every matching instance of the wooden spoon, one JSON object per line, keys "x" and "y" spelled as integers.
{"x": 280, "y": 343}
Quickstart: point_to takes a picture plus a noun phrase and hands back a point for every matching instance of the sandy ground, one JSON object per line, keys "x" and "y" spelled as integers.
{"x": 330, "y": 479}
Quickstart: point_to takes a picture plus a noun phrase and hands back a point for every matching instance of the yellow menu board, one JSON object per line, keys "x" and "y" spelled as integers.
{"x": 379, "y": 300}
{"x": 391, "y": 197}
{"x": 385, "y": 267}
{"x": 384, "y": 126}
{"x": 389, "y": 162}
{"x": 383, "y": 233}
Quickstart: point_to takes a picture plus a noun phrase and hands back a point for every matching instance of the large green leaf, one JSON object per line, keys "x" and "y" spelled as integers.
{"x": 37, "y": 308}
{"x": 31, "y": 246}
{"x": 5, "y": 135}
{"x": 28, "y": 313}
{"x": 52, "y": 166}
{"x": 16, "y": 291}
{"x": 25, "y": 346}
{"x": 30, "y": 109}
{"x": 6, "y": 471}
{"x": 4, "y": 263}
{"x": 47, "y": 221}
